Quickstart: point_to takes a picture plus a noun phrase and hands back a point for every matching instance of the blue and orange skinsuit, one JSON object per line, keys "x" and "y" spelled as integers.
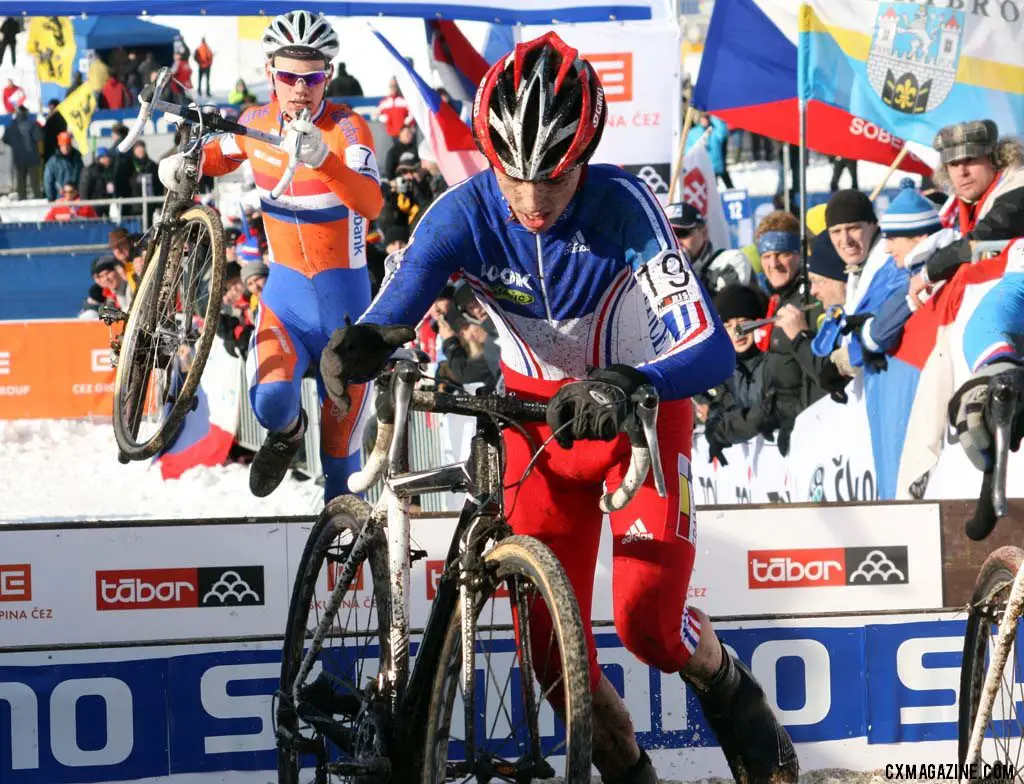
{"x": 316, "y": 232}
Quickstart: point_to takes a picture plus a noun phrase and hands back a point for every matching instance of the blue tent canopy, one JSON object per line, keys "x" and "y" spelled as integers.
{"x": 108, "y": 32}
{"x": 496, "y": 11}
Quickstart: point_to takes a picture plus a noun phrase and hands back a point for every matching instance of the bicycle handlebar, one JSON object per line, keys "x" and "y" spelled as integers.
{"x": 1004, "y": 399}
{"x": 385, "y": 454}
{"x": 194, "y": 115}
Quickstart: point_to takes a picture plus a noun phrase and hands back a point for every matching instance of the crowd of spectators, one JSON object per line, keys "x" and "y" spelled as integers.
{"x": 800, "y": 334}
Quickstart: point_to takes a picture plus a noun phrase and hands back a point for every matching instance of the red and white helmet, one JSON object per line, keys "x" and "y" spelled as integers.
{"x": 539, "y": 111}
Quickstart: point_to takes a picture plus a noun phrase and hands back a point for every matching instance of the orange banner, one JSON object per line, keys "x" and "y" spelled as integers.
{"x": 55, "y": 370}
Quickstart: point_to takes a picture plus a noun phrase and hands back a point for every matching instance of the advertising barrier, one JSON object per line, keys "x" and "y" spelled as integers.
{"x": 55, "y": 370}
{"x": 854, "y": 693}
{"x": 91, "y": 583}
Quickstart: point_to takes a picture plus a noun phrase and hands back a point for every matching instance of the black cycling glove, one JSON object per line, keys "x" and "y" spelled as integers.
{"x": 355, "y": 354}
{"x": 597, "y": 407}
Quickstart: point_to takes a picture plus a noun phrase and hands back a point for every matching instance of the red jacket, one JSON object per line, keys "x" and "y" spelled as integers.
{"x": 394, "y": 111}
{"x": 115, "y": 95}
{"x": 63, "y": 210}
{"x": 183, "y": 74}
{"x": 14, "y": 97}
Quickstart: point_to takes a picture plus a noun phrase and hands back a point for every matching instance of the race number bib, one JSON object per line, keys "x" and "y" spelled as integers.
{"x": 361, "y": 159}
{"x": 668, "y": 281}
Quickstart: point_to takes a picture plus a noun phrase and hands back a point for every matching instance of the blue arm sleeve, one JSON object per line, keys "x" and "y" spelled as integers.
{"x": 417, "y": 273}
{"x": 697, "y": 353}
{"x": 885, "y": 330}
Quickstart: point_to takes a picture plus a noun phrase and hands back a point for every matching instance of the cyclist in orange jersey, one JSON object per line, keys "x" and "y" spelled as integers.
{"x": 316, "y": 231}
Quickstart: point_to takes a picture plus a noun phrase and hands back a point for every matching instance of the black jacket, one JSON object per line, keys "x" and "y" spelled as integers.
{"x": 762, "y": 396}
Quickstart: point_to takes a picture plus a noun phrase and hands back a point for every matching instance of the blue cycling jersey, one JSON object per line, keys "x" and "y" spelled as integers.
{"x": 606, "y": 284}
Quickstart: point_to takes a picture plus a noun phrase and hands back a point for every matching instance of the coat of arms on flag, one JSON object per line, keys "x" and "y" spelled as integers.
{"x": 914, "y": 54}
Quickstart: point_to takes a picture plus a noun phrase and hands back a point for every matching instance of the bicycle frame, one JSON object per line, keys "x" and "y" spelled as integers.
{"x": 406, "y": 692}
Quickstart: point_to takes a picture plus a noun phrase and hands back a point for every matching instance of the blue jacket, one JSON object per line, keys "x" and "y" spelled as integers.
{"x": 715, "y": 143}
{"x": 60, "y": 170}
{"x": 606, "y": 284}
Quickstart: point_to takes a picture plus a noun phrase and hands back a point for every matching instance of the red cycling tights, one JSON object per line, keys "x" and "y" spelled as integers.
{"x": 654, "y": 537}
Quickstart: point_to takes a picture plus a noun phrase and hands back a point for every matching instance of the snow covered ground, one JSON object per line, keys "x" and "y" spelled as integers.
{"x": 68, "y": 470}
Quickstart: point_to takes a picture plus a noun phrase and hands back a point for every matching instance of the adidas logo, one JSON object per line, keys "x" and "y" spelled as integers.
{"x": 637, "y": 533}
{"x": 577, "y": 244}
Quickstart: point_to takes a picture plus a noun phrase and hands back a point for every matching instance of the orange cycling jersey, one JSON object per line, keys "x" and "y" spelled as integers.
{"x": 320, "y": 221}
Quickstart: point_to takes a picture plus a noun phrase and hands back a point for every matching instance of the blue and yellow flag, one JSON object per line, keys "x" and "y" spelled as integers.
{"x": 913, "y": 68}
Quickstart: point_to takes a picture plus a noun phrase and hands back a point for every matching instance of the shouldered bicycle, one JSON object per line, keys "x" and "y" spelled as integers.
{"x": 481, "y": 700}
{"x": 171, "y": 322}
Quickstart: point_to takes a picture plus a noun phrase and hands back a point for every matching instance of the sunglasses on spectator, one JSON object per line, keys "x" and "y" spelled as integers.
{"x": 310, "y": 78}
{"x": 682, "y": 234}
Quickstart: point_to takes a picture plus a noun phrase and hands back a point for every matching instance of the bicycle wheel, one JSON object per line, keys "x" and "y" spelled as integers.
{"x": 517, "y": 733}
{"x": 334, "y": 720}
{"x": 171, "y": 325}
{"x": 1003, "y": 734}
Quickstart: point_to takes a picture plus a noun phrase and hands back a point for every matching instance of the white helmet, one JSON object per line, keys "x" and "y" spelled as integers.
{"x": 301, "y": 28}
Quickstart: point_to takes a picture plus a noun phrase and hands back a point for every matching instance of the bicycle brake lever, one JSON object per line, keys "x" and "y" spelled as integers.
{"x": 293, "y": 164}
{"x": 1002, "y": 407}
{"x": 646, "y": 399}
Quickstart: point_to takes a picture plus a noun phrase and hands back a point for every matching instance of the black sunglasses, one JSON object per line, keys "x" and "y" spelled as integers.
{"x": 682, "y": 234}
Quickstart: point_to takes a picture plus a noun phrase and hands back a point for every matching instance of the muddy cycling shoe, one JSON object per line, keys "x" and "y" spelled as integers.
{"x": 757, "y": 748}
{"x": 275, "y": 456}
{"x": 640, "y": 772}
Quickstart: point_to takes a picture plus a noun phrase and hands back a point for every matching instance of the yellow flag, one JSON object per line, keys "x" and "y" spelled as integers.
{"x": 51, "y": 40}
{"x": 77, "y": 110}
{"x": 97, "y": 74}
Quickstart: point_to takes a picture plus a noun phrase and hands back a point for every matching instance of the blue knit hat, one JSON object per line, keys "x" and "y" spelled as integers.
{"x": 824, "y": 260}
{"x": 910, "y": 214}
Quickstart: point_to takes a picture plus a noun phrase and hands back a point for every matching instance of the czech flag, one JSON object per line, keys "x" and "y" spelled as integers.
{"x": 208, "y": 431}
{"x": 451, "y": 138}
{"x": 753, "y": 86}
{"x": 453, "y": 58}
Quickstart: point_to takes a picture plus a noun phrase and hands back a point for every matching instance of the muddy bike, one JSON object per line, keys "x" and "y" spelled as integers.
{"x": 990, "y": 728}
{"x": 172, "y": 320}
{"x": 487, "y": 699}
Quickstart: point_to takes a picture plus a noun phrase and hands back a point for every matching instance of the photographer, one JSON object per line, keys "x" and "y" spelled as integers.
{"x": 408, "y": 195}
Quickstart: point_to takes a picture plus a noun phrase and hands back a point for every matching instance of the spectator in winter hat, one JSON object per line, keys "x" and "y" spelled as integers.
{"x": 910, "y": 219}
{"x": 986, "y": 174}
{"x": 64, "y": 166}
{"x": 827, "y": 273}
{"x": 795, "y": 331}
{"x": 756, "y": 400}
{"x": 853, "y": 227}
{"x": 254, "y": 276}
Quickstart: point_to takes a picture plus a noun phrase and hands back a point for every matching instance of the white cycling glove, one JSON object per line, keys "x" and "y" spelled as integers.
{"x": 171, "y": 172}
{"x": 304, "y": 140}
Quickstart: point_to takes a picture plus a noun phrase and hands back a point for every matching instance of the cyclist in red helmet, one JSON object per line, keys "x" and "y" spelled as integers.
{"x": 592, "y": 297}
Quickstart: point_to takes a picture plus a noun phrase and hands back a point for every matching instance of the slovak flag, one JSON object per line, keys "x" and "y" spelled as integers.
{"x": 450, "y": 138}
